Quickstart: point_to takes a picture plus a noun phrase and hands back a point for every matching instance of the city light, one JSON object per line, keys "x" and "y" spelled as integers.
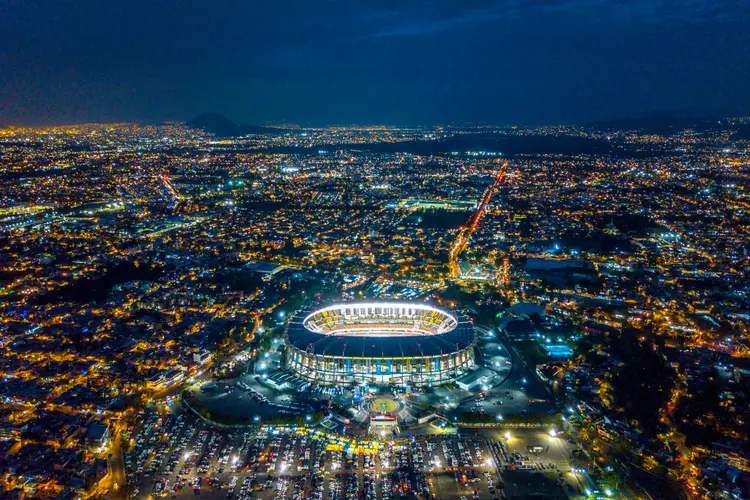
{"x": 415, "y": 298}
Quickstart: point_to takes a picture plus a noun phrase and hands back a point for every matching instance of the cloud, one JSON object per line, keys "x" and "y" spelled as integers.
{"x": 421, "y": 27}
{"x": 415, "y": 19}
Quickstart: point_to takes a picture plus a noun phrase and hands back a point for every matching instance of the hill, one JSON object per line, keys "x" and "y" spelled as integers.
{"x": 220, "y": 125}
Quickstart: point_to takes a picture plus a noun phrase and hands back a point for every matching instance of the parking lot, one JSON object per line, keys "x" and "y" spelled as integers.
{"x": 175, "y": 455}
{"x": 535, "y": 463}
{"x": 244, "y": 397}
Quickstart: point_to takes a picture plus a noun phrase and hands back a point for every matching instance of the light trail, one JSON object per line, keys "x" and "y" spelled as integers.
{"x": 169, "y": 186}
{"x": 459, "y": 245}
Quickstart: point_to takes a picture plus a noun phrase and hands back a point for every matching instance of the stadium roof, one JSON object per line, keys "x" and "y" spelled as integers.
{"x": 380, "y": 347}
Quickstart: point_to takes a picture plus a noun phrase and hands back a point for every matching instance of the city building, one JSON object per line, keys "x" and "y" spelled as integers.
{"x": 380, "y": 343}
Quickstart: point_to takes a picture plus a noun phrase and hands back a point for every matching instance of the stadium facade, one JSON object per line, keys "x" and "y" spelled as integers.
{"x": 380, "y": 343}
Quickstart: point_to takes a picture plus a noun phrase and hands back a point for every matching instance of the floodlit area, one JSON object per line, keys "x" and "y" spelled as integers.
{"x": 379, "y": 343}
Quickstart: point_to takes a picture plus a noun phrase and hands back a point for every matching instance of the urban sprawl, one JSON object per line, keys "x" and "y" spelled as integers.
{"x": 375, "y": 312}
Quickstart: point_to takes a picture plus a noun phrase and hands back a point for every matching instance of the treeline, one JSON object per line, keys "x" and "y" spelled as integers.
{"x": 531, "y": 419}
{"x": 278, "y": 419}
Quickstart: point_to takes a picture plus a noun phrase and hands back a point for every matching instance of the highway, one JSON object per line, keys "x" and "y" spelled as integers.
{"x": 459, "y": 245}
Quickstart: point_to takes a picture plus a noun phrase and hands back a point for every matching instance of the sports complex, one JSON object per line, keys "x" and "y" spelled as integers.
{"x": 379, "y": 343}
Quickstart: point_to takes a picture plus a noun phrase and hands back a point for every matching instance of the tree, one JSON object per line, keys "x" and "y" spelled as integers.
{"x": 643, "y": 385}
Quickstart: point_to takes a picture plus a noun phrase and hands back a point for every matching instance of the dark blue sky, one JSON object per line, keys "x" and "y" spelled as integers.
{"x": 401, "y": 62}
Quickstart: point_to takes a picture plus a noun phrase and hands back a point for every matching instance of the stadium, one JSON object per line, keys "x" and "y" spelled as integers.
{"x": 379, "y": 343}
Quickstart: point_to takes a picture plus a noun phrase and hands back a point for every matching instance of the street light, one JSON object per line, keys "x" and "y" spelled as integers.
{"x": 507, "y": 435}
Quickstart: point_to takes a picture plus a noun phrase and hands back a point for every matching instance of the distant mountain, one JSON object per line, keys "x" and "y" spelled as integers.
{"x": 220, "y": 125}
{"x": 664, "y": 123}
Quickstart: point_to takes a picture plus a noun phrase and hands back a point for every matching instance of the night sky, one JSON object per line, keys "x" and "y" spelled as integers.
{"x": 353, "y": 62}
